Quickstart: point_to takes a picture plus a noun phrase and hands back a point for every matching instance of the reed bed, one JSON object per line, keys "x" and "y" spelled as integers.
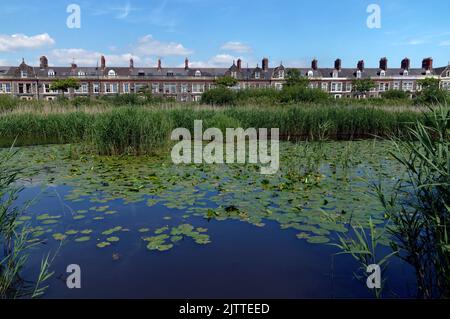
{"x": 142, "y": 130}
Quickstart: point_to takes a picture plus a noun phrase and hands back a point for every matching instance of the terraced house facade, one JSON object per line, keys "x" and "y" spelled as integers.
{"x": 188, "y": 84}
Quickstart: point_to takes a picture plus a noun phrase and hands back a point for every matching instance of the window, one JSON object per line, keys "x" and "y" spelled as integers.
{"x": 184, "y": 88}
{"x": 25, "y": 88}
{"x": 279, "y": 86}
{"x": 81, "y": 74}
{"x": 396, "y": 85}
{"x": 336, "y": 87}
{"x": 382, "y": 87}
{"x": 198, "y": 74}
{"x": 83, "y": 89}
{"x": 234, "y": 74}
{"x": 112, "y": 74}
{"x": 197, "y": 98}
{"x": 447, "y": 75}
{"x": 198, "y": 88}
{"x": 257, "y": 75}
{"x": 155, "y": 88}
{"x": 170, "y": 73}
{"x": 5, "y": 87}
{"x": 23, "y": 74}
{"x": 310, "y": 74}
{"x": 111, "y": 88}
{"x": 382, "y": 73}
{"x": 51, "y": 73}
{"x": 183, "y": 98}
{"x": 358, "y": 74}
{"x": 96, "y": 88}
{"x": 335, "y": 74}
{"x": 126, "y": 88}
{"x": 48, "y": 90}
{"x": 170, "y": 88}
{"x": 281, "y": 74}
{"x": 324, "y": 86}
{"x": 348, "y": 87}
{"x": 406, "y": 73}
{"x": 407, "y": 86}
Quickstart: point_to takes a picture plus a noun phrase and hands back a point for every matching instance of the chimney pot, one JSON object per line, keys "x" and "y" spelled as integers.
{"x": 265, "y": 64}
{"x": 239, "y": 64}
{"x": 361, "y": 65}
{"x": 159, "y": 64}
{"x": 131, "y": 64}
{"x": 384, "y": 64}
{"x": 338, "y": 64}
{"x": 427, "y": 64}
{"x": 314, "y": 64}
{"x": 186, "y": 64}
{"x": 103, "y": 62}
{"x": 406, "y": 64}
{"x": 43, "y": 62}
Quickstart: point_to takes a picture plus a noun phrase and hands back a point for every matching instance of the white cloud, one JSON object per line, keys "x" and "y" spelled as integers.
{"x": 3, "y": 62}
{"x": 238, "y": 47}
{"x": 218, "y": 61}
{"x": 15, "y": 42}
{"x": 89, "y": 58}
{"x": 147, "y": 45}
{"x": 444, "y": 43}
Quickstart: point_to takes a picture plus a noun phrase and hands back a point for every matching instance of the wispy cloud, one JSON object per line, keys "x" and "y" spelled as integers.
{"x": 148, "y": 45}
{"x": 236, "y": 46}
{"x": 444, "y": 43}
{"x": 88, "y": 58}
{"x": 433, "y": 38}
{"x": 15, "y": 42}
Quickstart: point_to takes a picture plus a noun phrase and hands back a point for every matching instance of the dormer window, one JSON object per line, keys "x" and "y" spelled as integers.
{"x": 382, "y": 73}
{"x": 141, "y": 73}
{"x": 358, "y": 74}
{"x": 335, "y": 74}
{"x": 112, "y": 74}
{"x": 310, "y": 74}
{"x": 170, "y": 73}
{"x": 234, "y": 74}
{"x": 281, "y": 74}
{"x": 23, "y": 74}
{"x": 81, "y": 74}
{"x": 448, "y": 74}
{"x": 406, "y": 73}
{"x": 257, "y": 75}
{"x": 51, "y": 73}
{"x": 198, "y": 74}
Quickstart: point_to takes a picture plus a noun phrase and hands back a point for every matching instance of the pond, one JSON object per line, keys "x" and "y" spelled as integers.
{"x": 142, "y": 227}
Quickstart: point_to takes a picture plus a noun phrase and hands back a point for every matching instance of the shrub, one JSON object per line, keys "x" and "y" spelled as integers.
{"x": 219, "y": 96}
{"x": 395, "y": 95}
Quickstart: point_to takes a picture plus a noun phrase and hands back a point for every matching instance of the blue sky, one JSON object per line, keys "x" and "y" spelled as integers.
{"x": 214, "y": 32}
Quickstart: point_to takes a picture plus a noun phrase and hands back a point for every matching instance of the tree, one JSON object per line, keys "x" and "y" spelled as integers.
{"x": 226, "y": 81}
{"x": 65, "y": 84}
{"x": 294, "y": 78}
{"x": 362, "y": 86}
{"x": 431, "y": 92}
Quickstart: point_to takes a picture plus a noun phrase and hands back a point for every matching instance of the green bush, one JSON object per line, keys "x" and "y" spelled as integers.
{"x": 219, "y": 96}
{"x": 395, "y": 95}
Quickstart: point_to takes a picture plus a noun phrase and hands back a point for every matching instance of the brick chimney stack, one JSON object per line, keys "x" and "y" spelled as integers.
{"x": 338, "y": 64}
{"x": 427, "y": 64}
{"x": 43, "y": 62}
{"x": 103, "y": 62}
{"x": 159, "y": 64}
{"x": 73, "y": 66}
{"x": 131, "y": 63}
{"x": 186, "y": 64}
{"x": 384, "y": 64}
{"x": 314, "y": 64}
{"x": 406, "y": 64}
{"x": 239, "y": 64}
{"x": 265, "y": 64}
{"x": 361, "y": 65}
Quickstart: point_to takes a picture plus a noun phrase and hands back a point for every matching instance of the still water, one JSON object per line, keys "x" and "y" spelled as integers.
{"x": 145, "y": 228}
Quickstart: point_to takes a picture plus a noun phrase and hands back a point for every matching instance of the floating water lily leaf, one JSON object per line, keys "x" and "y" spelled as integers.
{"x": 72, "y": 232}
{"x": 112, "y": 230}
{"x": 47, "y": 216}
{"x": 86, "y": 232}
{"x": 144, "y": 230}
{"x": 59, "y": 236}
{"x": 113, "y": 239}
{"x": 103, "y": 244}
{"x": 161, "y": 230}
{"x": 82, "y": 239}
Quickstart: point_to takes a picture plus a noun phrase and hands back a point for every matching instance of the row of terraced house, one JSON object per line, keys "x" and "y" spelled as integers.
{"x": 189, "y": 83}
